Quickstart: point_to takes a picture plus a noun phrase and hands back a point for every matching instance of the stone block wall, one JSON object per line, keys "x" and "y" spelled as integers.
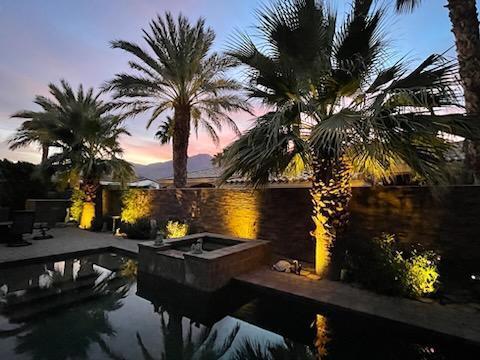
{"x": 447, "y": 220}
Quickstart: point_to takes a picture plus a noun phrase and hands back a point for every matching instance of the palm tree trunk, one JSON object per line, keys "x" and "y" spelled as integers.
{"x": 181, "y": 134}
{"x": 45, "y": 150}
{"x": 331, "y": 194}
{"x": 465, "y": 27}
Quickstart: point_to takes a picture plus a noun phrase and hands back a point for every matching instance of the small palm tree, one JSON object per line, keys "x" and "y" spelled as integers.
{"x": 181, "y": 76}
{"x": 39, "y": 128}
{"x": 87, "y": 135}
{"x": 336, "y": 109}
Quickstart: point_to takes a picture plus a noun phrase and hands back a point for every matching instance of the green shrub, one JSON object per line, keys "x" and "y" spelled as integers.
{"x": 136, "y": 204}
{"x": 380, "y": 266}
{"x": 78, "y": 200}
{"x": 139, "y": 230}
{"x": 421, "y": 274}
{"x": 176, "y": 229}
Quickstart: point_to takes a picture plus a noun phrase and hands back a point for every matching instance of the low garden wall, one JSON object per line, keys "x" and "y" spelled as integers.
{"x": 447, "y": 220}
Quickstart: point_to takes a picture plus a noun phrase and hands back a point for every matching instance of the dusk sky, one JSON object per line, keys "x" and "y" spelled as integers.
{"x": 43, "y": 41}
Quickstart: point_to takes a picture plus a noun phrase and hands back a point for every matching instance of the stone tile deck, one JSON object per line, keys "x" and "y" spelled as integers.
{"x": 460, "y": 322}
{"x": 66, "y": 240}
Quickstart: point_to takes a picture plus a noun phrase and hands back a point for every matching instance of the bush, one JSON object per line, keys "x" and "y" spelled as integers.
{"x": 78, "y": 200}
{"x": 139, "y": 230}
{"x": 136, "y": 204}
{"x": 421, "y": 274}
{"x": 97, "y": 223}
{"x": 20, "y": 181}
{"x": 176, "y": 229}
{"x": 380, "y": 266}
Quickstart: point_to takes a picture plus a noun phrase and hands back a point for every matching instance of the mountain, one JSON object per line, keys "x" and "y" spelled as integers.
{"x": 162, "y": 170}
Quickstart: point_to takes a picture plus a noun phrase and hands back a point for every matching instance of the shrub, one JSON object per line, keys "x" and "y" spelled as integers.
{"x": 176, "y": 229}
{"x": 20, "y": 181}
{"x": 78, "y": 200}
{"x": 136, "y": 204}
{"x": 380, "y": 266}
{"x": 97, "y": 223}
{"x": 139, "y": 230}
{"x": 421, "y": 274}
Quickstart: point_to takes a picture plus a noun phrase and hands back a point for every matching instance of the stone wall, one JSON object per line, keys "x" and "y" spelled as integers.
{"x": 447, "y": 220}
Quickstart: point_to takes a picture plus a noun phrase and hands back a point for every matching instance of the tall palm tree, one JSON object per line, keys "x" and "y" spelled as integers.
{"x": 337, "y": 109}
{"x": 180, "y": 75}
{"x": 39, "y": 128}
{"x": 465, "y": 27}
{"x": 87, "y": 135}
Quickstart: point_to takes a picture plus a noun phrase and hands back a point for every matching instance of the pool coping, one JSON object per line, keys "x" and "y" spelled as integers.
{"x": 66, "y": 255}
{"x": 432, "y": 318}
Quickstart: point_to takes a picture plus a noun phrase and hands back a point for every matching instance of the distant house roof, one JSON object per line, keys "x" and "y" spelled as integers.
{"x": 214, "y": 172}
{"x": 140, "y": 182}
{"x": 212, "y": 175}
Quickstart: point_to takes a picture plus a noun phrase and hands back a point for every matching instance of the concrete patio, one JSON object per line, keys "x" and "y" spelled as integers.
{"x": 66, "y": 240}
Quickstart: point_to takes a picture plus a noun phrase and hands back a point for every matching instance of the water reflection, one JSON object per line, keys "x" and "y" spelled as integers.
{"x": 42, "y": 299}
{"x": 93, "y": 307}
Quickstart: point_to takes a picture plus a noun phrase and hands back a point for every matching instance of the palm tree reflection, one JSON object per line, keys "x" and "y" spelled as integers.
{"x": 201, "y": 344}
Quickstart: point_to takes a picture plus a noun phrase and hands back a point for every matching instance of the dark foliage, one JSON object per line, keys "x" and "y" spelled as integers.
{"x": 140, "y": 230}
{"x": 19, "y": 182}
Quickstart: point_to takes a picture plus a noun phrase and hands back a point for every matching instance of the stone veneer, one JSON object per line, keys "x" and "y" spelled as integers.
{"x": 207, "y": 271}
{"x": 446, "y": 220}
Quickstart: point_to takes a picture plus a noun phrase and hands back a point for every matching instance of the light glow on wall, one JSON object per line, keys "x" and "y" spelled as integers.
{"x": 241, "y": 213}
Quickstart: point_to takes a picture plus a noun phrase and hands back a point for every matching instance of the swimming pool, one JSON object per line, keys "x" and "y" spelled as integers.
{"x": 93, "y": 307}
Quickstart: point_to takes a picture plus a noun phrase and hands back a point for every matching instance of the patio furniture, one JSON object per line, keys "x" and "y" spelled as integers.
{"x": 44, "y": 221}
{"x": 115, "y": 219}
{"x": 43, "y": 228}
{"x": 5, "y": 223}
{"x": 22, "y": 223}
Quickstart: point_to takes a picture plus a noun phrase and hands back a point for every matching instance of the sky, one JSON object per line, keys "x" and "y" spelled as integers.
{"x": 43, "y": 41}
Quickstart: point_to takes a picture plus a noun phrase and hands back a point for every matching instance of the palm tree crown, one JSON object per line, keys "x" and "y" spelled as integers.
{"x": 87, "y": 136}
{"x": 332, "y": 97}
{"x": 407, "y": 5}
{"x": 38, "y": 128}
{"x": 336, "y": 107}
{"x": 179, "y": 74}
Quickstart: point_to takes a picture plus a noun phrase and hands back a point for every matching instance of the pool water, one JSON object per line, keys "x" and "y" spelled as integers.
{"x": 91, "y": 307}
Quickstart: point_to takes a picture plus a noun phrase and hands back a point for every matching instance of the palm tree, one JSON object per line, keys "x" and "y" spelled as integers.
{"x": 181, "y": 76}
{"x": 465, "y": 27}
{"x": 336, "y": 109}
{"x": 38, "y": 129}
{"x": 87, "y": 135}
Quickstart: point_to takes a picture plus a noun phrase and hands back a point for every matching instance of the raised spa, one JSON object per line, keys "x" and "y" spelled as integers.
{"x": 220, "y": 259}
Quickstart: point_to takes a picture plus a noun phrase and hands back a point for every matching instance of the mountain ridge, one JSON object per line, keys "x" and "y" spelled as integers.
{"x": 164, "y": 169}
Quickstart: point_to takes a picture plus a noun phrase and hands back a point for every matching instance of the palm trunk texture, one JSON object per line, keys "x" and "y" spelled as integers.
{"x": 465, "y": 27}
{"x": 181, "y": 134}
{"x": 331, "y": 194}
{"x": 45, "y": 150}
